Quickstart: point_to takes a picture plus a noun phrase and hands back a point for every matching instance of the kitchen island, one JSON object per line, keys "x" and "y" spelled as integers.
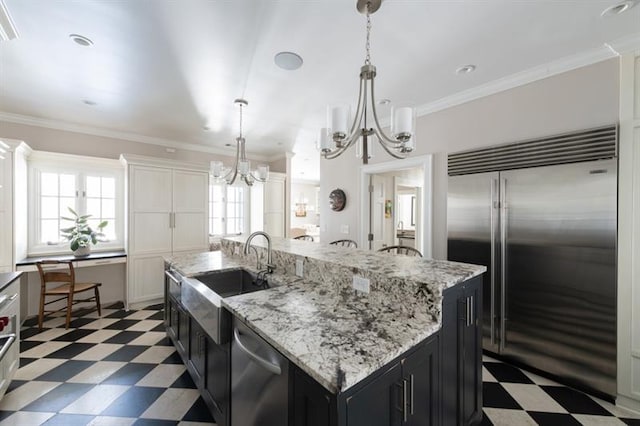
{"x": 346, "y": 347}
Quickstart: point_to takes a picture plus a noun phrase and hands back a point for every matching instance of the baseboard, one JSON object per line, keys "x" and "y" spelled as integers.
{"x": 141, "y": 305}
{"x": 628, "y": 403}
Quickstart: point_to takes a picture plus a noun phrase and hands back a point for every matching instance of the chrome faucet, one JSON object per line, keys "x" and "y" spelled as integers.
{"x": 247, "y": 245}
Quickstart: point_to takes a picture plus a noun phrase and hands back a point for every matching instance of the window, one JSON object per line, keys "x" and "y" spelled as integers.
{"x": 227, "y": 206}
{"x": 89, "y": 186}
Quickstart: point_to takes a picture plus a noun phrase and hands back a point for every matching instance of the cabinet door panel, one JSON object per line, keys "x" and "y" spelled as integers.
{"x": 151, "y": 233}
{"x": 146, "y": 278}
{"x": 190, "y": 232}
{"x": 190, "y": 191}
{"x": 216, "y": 386}
{"x": 472, "y": 357}
{"x": 313, "y": 405}
{"x": 421, "y": 371}
{"x": 151, "y": 189}
{"x": 6, "y": 239}
{"x": 378, "y": 403}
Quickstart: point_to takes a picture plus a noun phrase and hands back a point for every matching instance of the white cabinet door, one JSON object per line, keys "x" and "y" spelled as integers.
{"x": 190, "y": 207}
{"x": 151, "y": 206}
{"x": 6, "y": 209}
{"x": 146, "y": 278}
{"x": 274, "y": 201}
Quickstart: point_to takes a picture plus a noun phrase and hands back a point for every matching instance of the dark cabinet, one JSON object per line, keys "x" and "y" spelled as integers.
{"x": 206, "y": 361}
{"x": 380, "y": 402}
{"x": 461, "y": 354}
{"x": 405, "y": 392}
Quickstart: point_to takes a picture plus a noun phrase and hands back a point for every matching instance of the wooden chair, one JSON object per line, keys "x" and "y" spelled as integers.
{"x": 409, "y": 251}
{"x": 304, "y": 238}
{"x": 344, "y": 243}
{"x": 63, "y": 275}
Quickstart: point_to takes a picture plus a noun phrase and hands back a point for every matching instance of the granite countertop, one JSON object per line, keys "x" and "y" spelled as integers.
{"x": 338, "y": 338}
{"x": 7, "y": 278}
{"x": 337, "y": 335}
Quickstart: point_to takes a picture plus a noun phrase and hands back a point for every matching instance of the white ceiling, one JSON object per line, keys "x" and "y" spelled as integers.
{"x": 164, "y": 69}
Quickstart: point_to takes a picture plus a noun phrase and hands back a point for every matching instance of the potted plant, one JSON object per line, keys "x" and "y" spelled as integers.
{"x": 80, "y": 235}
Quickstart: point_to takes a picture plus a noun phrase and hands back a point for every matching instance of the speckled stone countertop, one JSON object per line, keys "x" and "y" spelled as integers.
{"x": 337, "y": 335}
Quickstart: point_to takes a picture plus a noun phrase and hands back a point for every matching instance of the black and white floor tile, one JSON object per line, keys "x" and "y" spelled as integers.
{"x": 121, "y": 370}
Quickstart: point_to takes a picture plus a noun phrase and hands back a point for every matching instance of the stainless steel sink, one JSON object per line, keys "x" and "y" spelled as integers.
{"x": 202, "y": 296}
{"x": 230, "y": 283}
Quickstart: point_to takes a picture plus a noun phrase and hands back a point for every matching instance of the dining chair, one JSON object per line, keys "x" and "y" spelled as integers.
{"x": 344, "y": 243}
{"x": 58, "y": 279}
{"x": 409, "y": 251}
{"x": 304, "y": 238}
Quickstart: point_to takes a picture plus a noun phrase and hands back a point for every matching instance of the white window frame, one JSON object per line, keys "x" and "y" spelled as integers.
{"x": 246, "y": 208}
{"x": 80, "y": 166}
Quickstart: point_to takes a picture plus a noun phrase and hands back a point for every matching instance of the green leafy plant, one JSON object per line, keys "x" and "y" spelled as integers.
{"x": 81, "y": 234}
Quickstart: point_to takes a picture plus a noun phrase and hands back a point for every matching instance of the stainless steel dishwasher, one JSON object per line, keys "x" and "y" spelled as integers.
{"x": 259, "y": 380}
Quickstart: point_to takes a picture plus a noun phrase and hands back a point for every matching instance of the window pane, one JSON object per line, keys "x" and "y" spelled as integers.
{"x": 68, "y": 185}
{"x": 108, "y": 208}
{"x": 49, "y": 231}
{"x": 93, "y": 186}
{"x": 93, "y": 207}
{"x": 108, "y": 187}
{"x": 49, "y": 208}
{"x": 109, "y": 231}
{"x": 65, "y": 203}
{"x": 49, "y": 184}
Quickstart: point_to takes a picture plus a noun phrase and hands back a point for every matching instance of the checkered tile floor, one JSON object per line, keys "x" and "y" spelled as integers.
{"x": 117, "y": 370}
{"x": 121, "y": 369}
{"x": 517, "y": 397}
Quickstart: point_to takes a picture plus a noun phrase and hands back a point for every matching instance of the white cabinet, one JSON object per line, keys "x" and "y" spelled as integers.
{"x": 274, "y": 205}
{"x": 13, "y": 202}
{"x": 168, "y": 214}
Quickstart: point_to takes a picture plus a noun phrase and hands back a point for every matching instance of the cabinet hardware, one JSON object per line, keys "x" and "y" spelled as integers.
{"x": 405, "y": 398}
{"x": 102, "y": 262}
{"x": 411, "y": 393}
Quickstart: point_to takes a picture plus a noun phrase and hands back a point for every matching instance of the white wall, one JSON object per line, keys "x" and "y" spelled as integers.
{"x": 53, "y": 140}
{"x": 578, "y": 99}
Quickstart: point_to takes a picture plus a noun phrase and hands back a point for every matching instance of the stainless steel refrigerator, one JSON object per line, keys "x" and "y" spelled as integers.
{"x": 547, "y": 235}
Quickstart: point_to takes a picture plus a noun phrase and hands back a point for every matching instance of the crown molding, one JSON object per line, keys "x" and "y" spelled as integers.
{"x": 626, "y": 44}
{"x": 114, "y": 134}
{"x": 8, "y": 30}
{"x": 589, "y": 57}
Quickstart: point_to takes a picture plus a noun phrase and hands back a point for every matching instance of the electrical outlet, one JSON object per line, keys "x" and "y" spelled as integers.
{"x": 236, "y": 250}
{"x": 361, "y": 284}
{"x": 344, "y": 229}
{"x": 299, "y": 267}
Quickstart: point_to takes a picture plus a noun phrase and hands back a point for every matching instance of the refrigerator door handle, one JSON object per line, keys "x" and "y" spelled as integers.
{"x": 504, "y": 221}
{"x": 494, "y": 207}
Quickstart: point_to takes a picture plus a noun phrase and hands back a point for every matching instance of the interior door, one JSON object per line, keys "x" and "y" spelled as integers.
{"x": 376, "y": 216}
{"x": 560, "y": 270}
{"x": 472, "y": 221}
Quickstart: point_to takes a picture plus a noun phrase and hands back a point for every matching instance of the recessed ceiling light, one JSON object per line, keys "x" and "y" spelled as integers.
{"x": 618, "y": 8}
{"x": 81, "y": 40}
{"x": 206, "y": 128}
{"x": 228, "y": 144}
{"x": 288, "y": 60}
{"x": 384, "y": 101}
{"x": 466, "y": 69}
{"x": 89, "y": 102}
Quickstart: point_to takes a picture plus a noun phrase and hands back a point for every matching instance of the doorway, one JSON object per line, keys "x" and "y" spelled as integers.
{"x": 396, "y": 204}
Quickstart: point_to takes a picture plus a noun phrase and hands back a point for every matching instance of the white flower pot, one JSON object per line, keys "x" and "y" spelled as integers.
{"x": 82, "y": 251}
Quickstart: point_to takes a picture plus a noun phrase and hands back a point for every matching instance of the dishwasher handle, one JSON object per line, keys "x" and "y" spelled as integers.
{"x": 267, "y": 365}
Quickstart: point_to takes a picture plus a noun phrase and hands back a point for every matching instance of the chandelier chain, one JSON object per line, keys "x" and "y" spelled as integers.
{"x": 240, "y": 121}
{"x": 367, "y": 59}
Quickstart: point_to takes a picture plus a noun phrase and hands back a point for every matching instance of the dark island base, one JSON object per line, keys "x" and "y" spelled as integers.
{"x": 438, "y": 382}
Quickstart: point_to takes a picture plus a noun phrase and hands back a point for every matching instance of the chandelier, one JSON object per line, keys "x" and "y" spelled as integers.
{"x": 242, "y": 167}
{"x": 336, "y": 138}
